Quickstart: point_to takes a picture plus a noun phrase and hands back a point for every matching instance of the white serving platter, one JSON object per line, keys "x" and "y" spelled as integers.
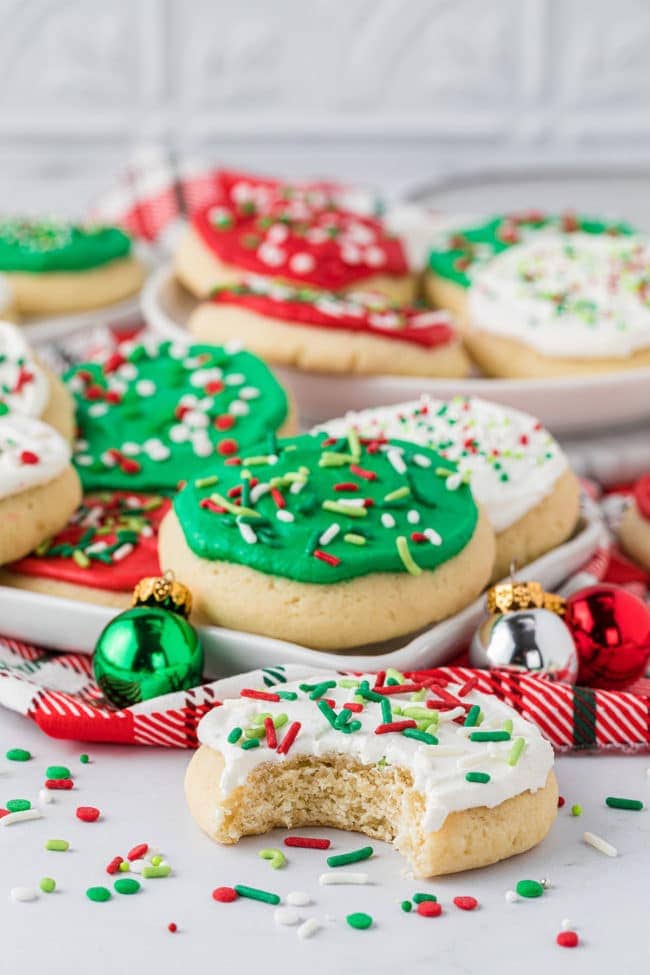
{"x": 65, "y": 624}
{"x": 578, "y": 404}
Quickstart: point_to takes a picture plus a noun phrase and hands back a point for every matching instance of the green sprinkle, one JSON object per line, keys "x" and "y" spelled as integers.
{"x": 257, "y": 895}
{"x": 576, "y": 810}
{"x": 327, "y": 712}
{"x": 57, "y": 772}
{"x": 529, "y": 888}
{"x": 339, "y": 508}
{"x": 250, "y": 743}
{"x": 150, "y": 872}
{"x": 418, "y": 898}
{"x": 18, "y": 805}
{"x": 516, "y": 750}
{"x": 616, "y": 802}
{"x": 157, "y": 860}
{"x": 418, "y": 695}
{"x": 127, "y": 885}
{"x": 332, "y": 459}
{"x": 481, "y": 777}
{"x": 359, "y": 920}
{"x": 490, "y": 736}
{"x": 397, "y": 494}
{"x": 234, "y": 509}
{"x": 18, "y": 755}
{"x": 364, "y": 692}
{"x": 98, "y": 894}
{"x": 353, "y": 539}
{"x": 84, "y": 759}
{"x": 507, "y": 725}
{"x": 235, "y": 735}
{"x": 258, "y": 731}
{"x": 386, "y": 711}
{"x": 275, "y": 857}
{"x": 420, "y": 714}
{"x": 60, "y": 846}
{"x": 404, "y": 553}
{"x": 406, "y": 906}
{"x": 348, "y": 682}
{"x": 351, "y": 727}
{"x": 392, "y": 674}
{"x": 342, "y": 718}
{"x": 355, "y": 856}
{"x": 353, "y": 443}
{"x": 47, "y": 885}
{"x": 423, "y": 736}
{"x": 204, "y": 482}
{"x": 472, "y": 716}
{"x": 320, "y": 689}
{"x": 286, "y": 695}
{"x": 124, "y": 866}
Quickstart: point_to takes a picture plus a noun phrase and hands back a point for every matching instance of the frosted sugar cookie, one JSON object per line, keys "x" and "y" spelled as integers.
{"x": 515, "y": 468}
{"x": 55, "y": 267}
{"x": 634, "y": 531}
{"x": 154, "y": 413}
{"x": 39, "y": 489}
{"x": 319, "y": 331}
{"x": 405, "y": 763}
{"x": 107, "y": 546}
{"x": 29, "y": 388}
{"x": 292, "y": 232}
{"x": 551, "y": 299}
{"x": 331, "y": 543}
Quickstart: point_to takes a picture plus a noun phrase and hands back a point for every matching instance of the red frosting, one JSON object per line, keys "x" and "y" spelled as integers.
{"x": 353, "y": 312}
{"x": 116, "y": 519}
{"x": 296, "y": 232}
{"x": 642, "y": 495}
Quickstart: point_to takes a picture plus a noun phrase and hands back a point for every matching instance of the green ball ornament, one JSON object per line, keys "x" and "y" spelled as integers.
{"x": 150, "y": 649}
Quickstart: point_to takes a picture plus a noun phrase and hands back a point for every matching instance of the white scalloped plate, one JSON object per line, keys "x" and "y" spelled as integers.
{"x": 37, "y": 619}
{"x": 572, "y": 404}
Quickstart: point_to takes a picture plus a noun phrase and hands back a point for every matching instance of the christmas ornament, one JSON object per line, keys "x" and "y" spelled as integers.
{"x": 611, "y": 630}
{"x": 525, "y": 631}
{"x": 150, "y": 649}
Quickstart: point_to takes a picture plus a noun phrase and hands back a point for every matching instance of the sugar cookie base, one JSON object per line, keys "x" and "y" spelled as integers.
{"x": 28, "y": 518}
{"x": 321, "y": 349}
{"x": 541, "y": 529}
{"x": 351, "y": 613}
{"x": 199, "y": 270}
{"x": 56, "y": 292}
{"x": 59, "y": 412}
{"x": 337, "y": 791}
{"x": 634, "y": 536}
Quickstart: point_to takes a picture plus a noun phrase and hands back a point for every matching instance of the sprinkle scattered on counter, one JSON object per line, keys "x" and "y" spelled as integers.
{"x": 359, "y": 920}
{"x": 616, "y": 802}
{"x": 529, "y": 888}
{"x": 87, "y": 814}
{"x": 567, "y": 939}
{"x": 18, "y": 755}
{"x": 224, "y": 895}
{"x": 600, "y": 844}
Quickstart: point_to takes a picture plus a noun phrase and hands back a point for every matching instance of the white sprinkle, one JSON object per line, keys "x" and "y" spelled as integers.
{"x": 23, "y": 894}
{"x": 21, "y": 817}
{"x": 195, "y": 418}
{"x": 97, "y": 409}
{"x": 568, "y": 925}
{"x": 353, "y": 502}
{"x": 233, "y": 346}
{"x": 308, "y": 928}
{"x": 421, "y": 460}
{"x": 395, "y": 460}
{"x": 145, "y": 387}
{"x": 130, "y": 448}
{"x": 450, "y": 715}
{"x": 375, "y": 257}
{"x": 137, "y": 866}
{"x": 201, "y": 445}
{"x": 433, "y": 536}
{"x": 546, "y": 882}
{"x": 127, "y": 371}
{"x": 297, "y": 486}
{"x": 122, "y": 552}
{"x": 283, "y": 515}
{"x": 342, "y": 877}
{"x": 511, "y": 896}
{"x": 329, "y": 534}
{"x": 249, "y": 392}
{"x": 96, "y": 547}
{"x": 258, "y": 491}
{"x": 45, "y": 796}
{"x": 302, "y": 263}
{"x": 298, "y": 898}
{"x": 597, "y": 842}
{"x": 83, "y": 460}
{"x": 178, "y": 433}
{"x": 239, "y": 408}
{"x": 387, "y": 520}
{"x": 413, "y": 517}
{"x": 284, "y": 915}
{"x": 454, "y": 481}
{"x": 247, "y": 532}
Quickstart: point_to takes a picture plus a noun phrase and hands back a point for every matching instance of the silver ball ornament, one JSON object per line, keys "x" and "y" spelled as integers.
{"x": 535, "y": 640}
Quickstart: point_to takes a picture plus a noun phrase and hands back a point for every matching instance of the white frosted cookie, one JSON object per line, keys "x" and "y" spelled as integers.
{"x": 515, "y": 468}
{"x": 39, "y": 490}
{"x": 455, "y": 778}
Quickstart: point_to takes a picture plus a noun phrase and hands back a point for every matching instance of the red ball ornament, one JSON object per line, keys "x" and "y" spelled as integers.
{"x": 611, "y": 631}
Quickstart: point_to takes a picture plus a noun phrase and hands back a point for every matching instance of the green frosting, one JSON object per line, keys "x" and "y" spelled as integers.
{"x": 49, "y": 246}
{"x": 151, "y": 415}
{"x": 298, "y": 520}
{"x": 459, "y": 252}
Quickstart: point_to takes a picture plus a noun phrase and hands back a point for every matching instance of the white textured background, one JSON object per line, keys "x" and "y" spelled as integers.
{"x": 393, "y": 91}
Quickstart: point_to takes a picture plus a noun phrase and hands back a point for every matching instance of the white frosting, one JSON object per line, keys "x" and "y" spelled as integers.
{"x": 511, "y": 462}
{"x": 438, "y": 770}
{"x": 578, "y": 294}
{"x": 31, "y": 453}
{"x": 23, "y": 384}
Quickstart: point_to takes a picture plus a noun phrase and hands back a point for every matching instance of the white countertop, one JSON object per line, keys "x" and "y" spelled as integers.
{"x": 139, "y": 791}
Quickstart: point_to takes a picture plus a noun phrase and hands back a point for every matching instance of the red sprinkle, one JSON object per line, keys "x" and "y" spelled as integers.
{"x": 567, "y": 939}
{"x": 214, "y": 386}
{"x": 258, "y": 695}
{"x": 114, "y": 865}
{"x": 388, "y": 689}
{"x": 361, "y": 472}
{"x": 468, "y": 686}
{"x": 226, "y": 447}
{"x": 353, "y": 706}
{"x": 3, "y": 813}
{"x": 289, "y": 738}
{"x": 384, "y": 729}
{"x": 429, "y": 909}
{"x": 560, "y": 801}
{"x": 29, "y": 457}
{"x": 208, "y": 505}
{"x": 307, "y": 842}
{"x": 277, "y": 497}
{"x": 379, "y": 680}
{"x": 318, "y": 553}
{"x": 466, "y": 903}
{"x": 224, "y": 422}
{"x": 87, "y": 814}
{"x": 129, "y": 466}
{"x": 271, "y": 738}
{"x": 225, "y": 895}
{"x": 346, "y": 486}
{"x": 59, "y": 784}
{"x": 418, "y": 537}
{"x": 172, "y": 927}
{"x": 137, "y": 852}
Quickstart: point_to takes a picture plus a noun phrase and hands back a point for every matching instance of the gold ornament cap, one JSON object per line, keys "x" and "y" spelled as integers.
{"x": 508, "y": 597}
{"x": 163, "y": 591}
